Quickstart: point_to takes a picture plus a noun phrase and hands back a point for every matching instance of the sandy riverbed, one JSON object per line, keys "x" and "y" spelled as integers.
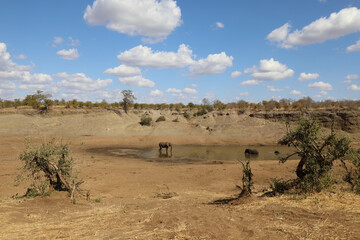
{"x": 162, "y": 200}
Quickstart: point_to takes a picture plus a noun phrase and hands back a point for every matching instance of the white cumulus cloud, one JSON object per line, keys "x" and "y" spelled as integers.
{"x": 308, "y": 76}
{"x": 57, "y": 40}
{"x": 235, "y": 74}
{"x": 338, "y": 24}
{"x": 273, "y": 89}
{"x": 352, "y": 76}
{"x": 10, "y": 71}
{"x": 250, "y": 83}
{"x": 320, "y": 85}
{"x": 137, "y": 81}
{"x": 354, "y": 87}
{"x": 146, "y": 57}
{"x": 21, "y": 57}
{"x": 173, "y": 90}
{"x": 123, "y": 71}
{"x": 143, "y": 56}
{"x": 7, "y": 85}
{"x": 150, "y": 18}
{"x": 279, "y": 34}
{"x": 270, "y": 70}
{"x": 6, "y": 64}
{"x": 79, "y": 81}
{"x": 220, "y": 25}
{"x": 295, "y": 92}
{"x": 179, "y": 91}
{"x": 189, "y": 91}
{"x": 354, "y": 48}
{"x": 156, "y": 93}
{"x": 70, "y": 54}
{"x": 213, "y": 64}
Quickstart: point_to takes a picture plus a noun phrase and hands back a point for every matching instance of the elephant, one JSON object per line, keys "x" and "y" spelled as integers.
{"x": 165, "y": 145}
{"x": 251, "y": 151}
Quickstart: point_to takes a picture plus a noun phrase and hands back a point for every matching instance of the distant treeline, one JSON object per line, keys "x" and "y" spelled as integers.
{"x": 44, "y": 101}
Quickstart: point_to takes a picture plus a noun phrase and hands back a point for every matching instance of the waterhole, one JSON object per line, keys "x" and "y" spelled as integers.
{"x": 215, "y": 154}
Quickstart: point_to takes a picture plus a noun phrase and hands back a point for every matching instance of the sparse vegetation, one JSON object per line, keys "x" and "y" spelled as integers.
{"x": 49, "y": 167}
{"x": 160, "y": 119}
{"x": 43, "y": 100}
{"x": 186, "y": 115}
{"x": 247, "y": 178}
{"x": 176, "y": 120}
{"x": 146, "y": 121}
{"x": 352, "y": 168}
{"x": 200, "y": 112}
{"x": 279, "y": 185}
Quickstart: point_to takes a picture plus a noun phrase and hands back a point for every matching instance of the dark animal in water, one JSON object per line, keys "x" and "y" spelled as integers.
{"x": 251, "y": 151}
{"x": 165, "y": 145}
{"x": 277, "y": 152}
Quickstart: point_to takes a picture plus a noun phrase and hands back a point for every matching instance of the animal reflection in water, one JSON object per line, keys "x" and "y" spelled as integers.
{"x": 166, "y": 145}
{"x": 250, "y": 153}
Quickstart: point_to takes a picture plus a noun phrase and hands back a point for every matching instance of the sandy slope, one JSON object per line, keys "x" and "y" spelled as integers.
{"x": 133, "y": 192}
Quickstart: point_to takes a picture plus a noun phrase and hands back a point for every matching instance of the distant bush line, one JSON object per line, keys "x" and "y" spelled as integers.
{"x": 44, "y": 101}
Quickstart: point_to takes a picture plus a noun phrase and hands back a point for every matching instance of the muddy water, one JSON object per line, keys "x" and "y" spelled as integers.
{"x": 205, "y": 153}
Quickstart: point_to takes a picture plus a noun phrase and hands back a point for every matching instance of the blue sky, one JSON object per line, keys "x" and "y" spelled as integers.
{"x": 181, "y": 51}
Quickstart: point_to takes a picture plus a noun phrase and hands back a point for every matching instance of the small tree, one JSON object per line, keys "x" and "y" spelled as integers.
{"x": 219, "y": 105}
{"x": 44, "y": 99}
{"x": 128, "y": 99}
{"x": 207, "y": 105}
{"x": 317, "y": 153}
{"x": 247, "y": 177}
{"x": 39, "y": 99}
{"x": 49, "y": 167}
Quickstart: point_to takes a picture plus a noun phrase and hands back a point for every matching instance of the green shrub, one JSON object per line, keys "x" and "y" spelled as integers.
{"x": 317, "y": 151}
{"x": 352, "y": 168}
{"x": 48, "y": 167}
{"x": 160, "y": 119}
{"x": 186, "y": 115}
{"x": 200, "y": 112}
{"x": 279, "y": 186}
{"x": 176, "y": 120}
{"x": 146, "y": 121}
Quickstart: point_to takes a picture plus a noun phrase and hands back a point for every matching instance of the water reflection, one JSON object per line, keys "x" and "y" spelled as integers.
{"x": 201, "y": 153}
{"x": 165, "y": 155}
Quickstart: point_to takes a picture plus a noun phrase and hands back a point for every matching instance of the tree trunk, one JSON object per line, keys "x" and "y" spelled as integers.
{"x": 299, "y": 169}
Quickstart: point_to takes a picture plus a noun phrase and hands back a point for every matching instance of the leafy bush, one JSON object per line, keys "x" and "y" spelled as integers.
{"x": 317, "y": 152}
{"x": 176, "y": 120}
{"x": 186, "y": 115}
{"x": 200, "y": 112}
{"x": 160, "y": 119}
{"x": 279, "y": 186}
{"x": 352, "y": 168}
{"x": 146, "y": 121}
{"x": 49, "y": 167}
